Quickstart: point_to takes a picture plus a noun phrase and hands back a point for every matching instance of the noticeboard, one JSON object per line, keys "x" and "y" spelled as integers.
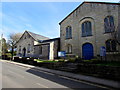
{"x": 61, "y": 54}
{"x": 102, "y": 51}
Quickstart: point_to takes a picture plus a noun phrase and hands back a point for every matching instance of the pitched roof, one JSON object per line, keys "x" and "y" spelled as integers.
{"x": 89, "y": 2}
{"x": 49, "y": 40}
{"x": 37, "y": 36}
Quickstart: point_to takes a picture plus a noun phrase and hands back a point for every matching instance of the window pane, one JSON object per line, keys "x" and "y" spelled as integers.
{"x": 89, "y": 30}
{"x": 28, "y": 48}
{"x": 86, "y": 29}
{"x": 108, "y": 46}
{"x": 67, "y": 49}
{"x": 70, "y": 32}
{"x": 106, "y": 25}
{"x": 111, "y": 23}
{"x": 83, "y": 29}
{"x": 113, "y": 44}
{"x": 40, "y": 49}
{"x": 70, "y": 49}
{"x": 19, "y": 49}
{"x": 66, "y": 32}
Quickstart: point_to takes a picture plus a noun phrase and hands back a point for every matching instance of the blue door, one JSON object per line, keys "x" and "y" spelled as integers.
{"x": 87, "y": 51}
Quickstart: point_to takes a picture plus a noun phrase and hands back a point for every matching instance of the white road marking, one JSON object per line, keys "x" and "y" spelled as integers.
{"x": 42, "y": 85}
{"x": 15, "y": 73}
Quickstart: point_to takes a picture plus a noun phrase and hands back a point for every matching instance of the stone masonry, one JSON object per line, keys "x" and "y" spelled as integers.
{"x": 88, "y": 11}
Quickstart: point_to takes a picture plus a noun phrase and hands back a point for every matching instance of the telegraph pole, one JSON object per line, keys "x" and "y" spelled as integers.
{"x": 1, "y": 46}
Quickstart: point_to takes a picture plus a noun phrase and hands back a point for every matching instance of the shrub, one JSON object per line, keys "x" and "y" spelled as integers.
{"x": 71, "y": 60}
{"x": 61, "y": 60}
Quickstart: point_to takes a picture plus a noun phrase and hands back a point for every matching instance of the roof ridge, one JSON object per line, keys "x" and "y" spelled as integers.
{"x": 39, "y": 36}
{"x": 97, "y": 2}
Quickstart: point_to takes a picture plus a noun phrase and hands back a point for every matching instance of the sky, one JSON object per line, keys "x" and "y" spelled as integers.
{"x": 39, "y": 17}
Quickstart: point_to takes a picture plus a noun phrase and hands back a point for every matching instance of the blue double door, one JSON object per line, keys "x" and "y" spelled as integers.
{"x": 87, "y": 51}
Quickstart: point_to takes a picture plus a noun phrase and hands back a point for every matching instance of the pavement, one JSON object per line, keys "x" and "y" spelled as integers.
{"x": 86, "y": 79}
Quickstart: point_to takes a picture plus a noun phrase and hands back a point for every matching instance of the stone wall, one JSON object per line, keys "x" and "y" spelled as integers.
{"x": 92, "y": 12}
{"x": 23, "y": 42}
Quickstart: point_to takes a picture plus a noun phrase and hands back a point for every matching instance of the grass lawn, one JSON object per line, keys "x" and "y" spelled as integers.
{"x": 47, "y": 61}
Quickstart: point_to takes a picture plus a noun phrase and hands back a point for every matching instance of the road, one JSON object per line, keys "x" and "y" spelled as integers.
{"x": 15, "y": 76}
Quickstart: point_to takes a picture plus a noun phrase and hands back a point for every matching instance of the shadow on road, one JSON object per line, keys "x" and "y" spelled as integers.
{"x": 63, "y": 81}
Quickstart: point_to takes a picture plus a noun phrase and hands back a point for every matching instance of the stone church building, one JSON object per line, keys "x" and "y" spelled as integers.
{"x": 37, "y": 46}
{"x": 88, "y": 28}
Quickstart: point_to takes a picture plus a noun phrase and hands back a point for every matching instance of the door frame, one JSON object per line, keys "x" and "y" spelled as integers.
{"x": 92, "y": 50}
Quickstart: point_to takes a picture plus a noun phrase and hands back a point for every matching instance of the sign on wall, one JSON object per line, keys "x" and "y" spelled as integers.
{"x": 61, "y": 54}
{"x": 102, "y": 51}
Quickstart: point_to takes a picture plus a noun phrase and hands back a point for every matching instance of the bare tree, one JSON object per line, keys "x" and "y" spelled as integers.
{"x": 13, "y": 38}
{"x": 118, "y": 30}
{"x": 3, "y": 47}
{"x": 116, "y": 34}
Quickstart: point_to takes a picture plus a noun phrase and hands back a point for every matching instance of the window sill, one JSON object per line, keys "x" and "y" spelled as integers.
{"x": 112, "y": 51}
{"x": 107, "y": 32}
{"x": 87, "y": 36}
{"x": 68, "y": 38}
{"x": 69, "y": 53}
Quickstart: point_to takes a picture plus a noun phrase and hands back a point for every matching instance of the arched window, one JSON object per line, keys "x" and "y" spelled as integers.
{"x": 40, "y": 49}
{"x": 113, "y": 45}
{"x": 86, "y": 29}
{"x": 109, "y": 24}
{"x": 69, "y": 49}
{"x": 28, "y": 49}
{"x": 19, "y": 49}
{"x": 110, "y": 45}
{"x": 68, "y": 32}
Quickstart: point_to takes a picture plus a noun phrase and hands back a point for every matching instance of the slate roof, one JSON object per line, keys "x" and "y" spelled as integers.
{"x": 37, "y": 36}
{"x": 49, "y": 40}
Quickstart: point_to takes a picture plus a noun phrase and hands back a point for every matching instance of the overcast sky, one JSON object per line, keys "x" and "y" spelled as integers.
{"x": 38, "y": 17}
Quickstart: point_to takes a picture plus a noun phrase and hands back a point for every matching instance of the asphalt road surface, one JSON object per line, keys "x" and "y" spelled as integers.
{"x": 15, "y": 76}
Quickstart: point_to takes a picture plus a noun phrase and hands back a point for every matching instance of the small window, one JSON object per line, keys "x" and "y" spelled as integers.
{"x": 69, "y": 49}
{"x": 109, "y": 24}
{"x": 108, "y": 46}
{"x": 40, "y": 50}
{"x": 19, "y": 49}
{"x": 25, "y": 37}
{"x": 68, "y": 32}
{"x": 111, "y": 45}
{"x": 86, "y": 29}
{"x": 28, "y": 50}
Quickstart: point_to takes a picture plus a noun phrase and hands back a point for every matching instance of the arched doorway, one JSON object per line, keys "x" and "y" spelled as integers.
{"x": 87, "y": 51}
{"x": 24, "y": 52}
